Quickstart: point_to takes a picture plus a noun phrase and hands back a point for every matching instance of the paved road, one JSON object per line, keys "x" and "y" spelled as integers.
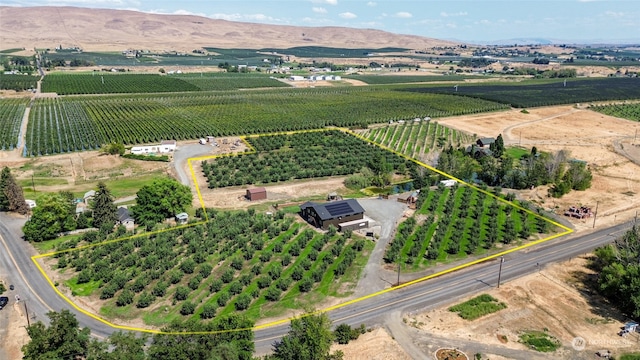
{"x": 15, "y": 259}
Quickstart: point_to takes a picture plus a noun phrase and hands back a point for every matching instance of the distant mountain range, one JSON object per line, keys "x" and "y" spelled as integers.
{"x": 543, "y": 41}
{"x": 117, "y": 30}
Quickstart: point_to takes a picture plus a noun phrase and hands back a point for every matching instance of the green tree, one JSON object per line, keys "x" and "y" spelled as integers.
{"x": 11, "y": 195}
{"x": 161, "y": 199}
{"x": 310, "y": 338}
{"x": 208, "y": 346}
{"x": 104, "y": 210}
{"x": 63, "y": 339}
{"x": 122, "y": 345}
{"x": 497, "y": 148}
{"x": 49, "y": 218}
{"x": 113, "y": 149}
{"x": 619, "y": 267}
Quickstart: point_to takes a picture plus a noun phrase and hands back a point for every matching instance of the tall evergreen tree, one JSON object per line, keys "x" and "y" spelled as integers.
{"x": 104, "y": 210}
{"x": 11, "y": 195}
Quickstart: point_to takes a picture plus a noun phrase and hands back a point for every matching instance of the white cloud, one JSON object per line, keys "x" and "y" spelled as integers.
{"x": 615, "y": 14}
{"x": 244, "y": 17}
{"x": 403, "y": 15}
{"x": 319, "y": 10}
{"x": 348, "y": 15}
{"x": 372, "y": 3}
{"x": 187, "y": 12}
{"x": 459, "y": 13}
{"x": 328, "y": 2}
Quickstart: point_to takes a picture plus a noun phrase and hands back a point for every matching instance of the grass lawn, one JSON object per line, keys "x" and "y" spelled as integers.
{"x": 517, "y": 152}
{"x": 50, "y": 245}
{"x": 85, "y": 289}
{"x": 477, "y": 307}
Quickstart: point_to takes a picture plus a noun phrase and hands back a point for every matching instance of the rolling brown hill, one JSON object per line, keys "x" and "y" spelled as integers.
{"x": 104, "y": 29}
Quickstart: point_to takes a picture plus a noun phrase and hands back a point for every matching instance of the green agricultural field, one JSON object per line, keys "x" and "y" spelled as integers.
{"x": 297, "y": 156}
{"x": 226, "y": 81}
{"x": 240, "y": 261}
{"x": 405, "y": 79}
{"x": 107, "y": 83}
{"x": 11, "y": 113}
{"x": 84, "y": 123}
{"x": 625, "y": 111}
{"x": 452, "y": 223}
{"x": 416, "y": 139}
{"x": 545, "y": 92}
{"x": 18, "y": 82}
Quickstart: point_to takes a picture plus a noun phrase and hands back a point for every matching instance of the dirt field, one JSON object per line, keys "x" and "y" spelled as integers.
{"x": 553, "y": 299}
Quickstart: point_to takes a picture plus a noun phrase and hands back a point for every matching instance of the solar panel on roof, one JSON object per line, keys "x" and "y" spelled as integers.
{"x": 337, "y": 209}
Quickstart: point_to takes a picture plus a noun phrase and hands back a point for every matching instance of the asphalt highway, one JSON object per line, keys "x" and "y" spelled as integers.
{"x": 31, "y": 286}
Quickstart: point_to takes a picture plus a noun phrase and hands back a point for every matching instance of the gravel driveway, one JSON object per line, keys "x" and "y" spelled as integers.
{"x": 387, "y": 214}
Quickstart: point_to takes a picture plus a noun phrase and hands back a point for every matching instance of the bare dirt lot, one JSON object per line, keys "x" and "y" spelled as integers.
{"x": 554, "y": 299}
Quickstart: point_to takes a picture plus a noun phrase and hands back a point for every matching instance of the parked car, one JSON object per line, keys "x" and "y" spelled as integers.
{"x": 3, "y": 301}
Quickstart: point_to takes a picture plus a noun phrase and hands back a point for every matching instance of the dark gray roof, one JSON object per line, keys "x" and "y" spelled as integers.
{"x": 335, "y": 209}
{"x": 486, "y": 141}
{"x": 123, "y": 215}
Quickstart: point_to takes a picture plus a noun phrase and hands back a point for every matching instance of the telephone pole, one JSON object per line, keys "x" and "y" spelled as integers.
{"x": 595, "y": 214}
{"x": 500, "y": 271}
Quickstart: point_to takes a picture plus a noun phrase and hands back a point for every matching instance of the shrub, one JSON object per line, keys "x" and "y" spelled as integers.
{"x": 108, "y": 291}
{"x": 227, "y": 276}
{"x": 205, "y": 270}
{"x": 160, "y": 289}
{"x": 223, "y": 298}
{"x": 194, "y": 283}
{"x": 182, "y": 292}
{"x": 188, "y": 266}
{"x": 243, "y": 301}
{"x": 272, "y": 294}
{"x": 208, "y": 311}
{"x": 236, "y": 263}
{"x": 145, "y": 300}
{"x": 125, "y": 298}
{"x": 215, "y": 286}
{"x": 187, "y": 308}
{"x": 344, "y": 333}
{"x": 305, "y": 284}
{"x": 235, "y": 288}
{"x": 84, "y": 276}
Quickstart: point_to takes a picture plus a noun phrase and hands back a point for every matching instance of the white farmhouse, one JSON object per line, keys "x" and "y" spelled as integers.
{"x": 166, "y": 146}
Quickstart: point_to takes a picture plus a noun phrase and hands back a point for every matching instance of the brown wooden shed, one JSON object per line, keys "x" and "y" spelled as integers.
{"x": 256, "y": 194}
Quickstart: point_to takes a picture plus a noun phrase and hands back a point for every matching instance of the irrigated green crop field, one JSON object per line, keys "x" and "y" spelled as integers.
{"x": 18, "y": 82}
{"x": 405, "y": 79}
{"x": 11, "y": 113}
{"x": 546, "y": 92}
{"x": 416, "y": 139}
{"x": 451, "y": 223}
{"x": 81, "y": 123}
{"x": 625, "y": 111}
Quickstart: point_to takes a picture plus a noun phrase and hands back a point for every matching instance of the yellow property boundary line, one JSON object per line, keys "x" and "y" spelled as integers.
{"x": 190, "y": 161}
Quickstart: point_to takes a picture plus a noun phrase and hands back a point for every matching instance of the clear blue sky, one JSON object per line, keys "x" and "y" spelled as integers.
{"x": 479, "y": 20}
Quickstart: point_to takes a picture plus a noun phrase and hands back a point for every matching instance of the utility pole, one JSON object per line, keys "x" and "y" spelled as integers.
{"x": 26, "y": 314}
{"x": 500, "y": 271}
{"x": 398, "y": 283}
{"x": 595, "y": 214}
{"x": 33, "y": 184}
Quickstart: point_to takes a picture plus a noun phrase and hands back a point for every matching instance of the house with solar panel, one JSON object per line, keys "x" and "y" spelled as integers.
{"x": 343, "y": 214}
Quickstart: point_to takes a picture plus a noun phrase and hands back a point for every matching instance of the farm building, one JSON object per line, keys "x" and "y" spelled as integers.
{"x": 296, "y": 78}
{"x": 482, "y": 142}
{"x": 166, "y": 146}
{"x": 343, "y": 214}
{"x": 256, "y": 194}
{"x": 124, "y": 218}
